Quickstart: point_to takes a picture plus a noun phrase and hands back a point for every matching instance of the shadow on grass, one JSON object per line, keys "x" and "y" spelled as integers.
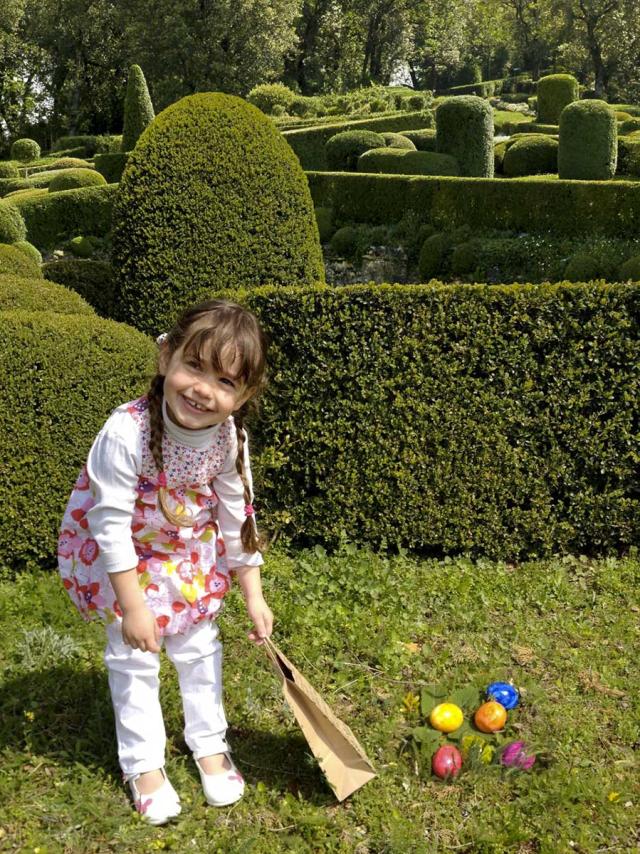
{"x": 54, "y": 713}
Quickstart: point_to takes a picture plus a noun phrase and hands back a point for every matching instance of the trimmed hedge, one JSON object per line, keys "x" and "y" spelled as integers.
{"x": 531, "y": 155}
{"x": 397, "y": 140}
{"x": 93, "y": 280}
{"x": 309, "y": 143}
{"x": 111, "y": 165}
{"x": 12, "y": 225}
{"x": 138, "y": 109}
{"x": 554, "y": 93}
{"x": 212, "y": 197}
{"x": 502, "y": 421}
{"x": 344, "y": 149}
{"x": 629, "y": 155}
{"x": 21, "y": 292}
{"x": 74, "y": 179}
{"x": 68, "y": 371}
{"x": 588, "y": 141}
{"x": 88, "y": 144}
{"x": 12, "y": 185}
{"x": 29, "y": 250}
{"x": 399, "y": 162}
{"x": 53, "y": 217}
{"x": 464, "y": 130}
{"x": 9, "y": 169}
{"x": 424, "y": 140}
{"x": 15, "y": 261}
{"x": 544, "y": 205}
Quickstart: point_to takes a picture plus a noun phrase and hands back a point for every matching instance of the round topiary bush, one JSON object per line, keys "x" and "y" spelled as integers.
{"x": 73, "y": 179}
{"x": 464, "y": 130}
{"x": 324, "y": 218}
{"x": 16, "y": 262}
{"x": 9, "y": 169}
{"x": 12, "y": 227}
{"x": 25, "y": 150}
{"x": 344, "y": 148}
{"x": 138, "y": 109}
{"x": 588, "y": 141}
{"x": 29, "y": 250}
{"x": 397, "y": 140}
{"x": 20, "y": 292}
{"x": 424, "y": 140}
{"x": 345, "y": 242}
{"x": 70, "y": 163}
{"x": 56, "y": 364}
{"x": 267, "y": 95}
{"x": 432, "y": 255}
{"x": 212, "y": 198}
{"x": 630, "y": 269}
{"x": 464, "y": 257}
{"x": 581, "y": 267}
{"x": 554, "y": 93}
{"x": 531, "y": 155}
{"x": 398, "y": 162}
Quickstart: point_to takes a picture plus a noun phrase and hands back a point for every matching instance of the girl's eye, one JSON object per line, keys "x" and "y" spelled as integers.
{"x": 193, "y": 363}
{"x": 227, "y": 381}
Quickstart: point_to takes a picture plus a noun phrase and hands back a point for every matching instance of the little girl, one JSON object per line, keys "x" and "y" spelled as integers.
{"x": 159, "y": 516}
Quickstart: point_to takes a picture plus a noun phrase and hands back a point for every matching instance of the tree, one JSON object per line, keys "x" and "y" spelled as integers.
{"x": 138, "y": 109}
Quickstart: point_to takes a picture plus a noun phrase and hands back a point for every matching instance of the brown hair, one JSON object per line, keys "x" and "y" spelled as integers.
{"x": 224, "y": 326}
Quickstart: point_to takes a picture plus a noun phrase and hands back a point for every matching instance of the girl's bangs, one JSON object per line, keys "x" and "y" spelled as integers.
{"x": 222, "y": 344}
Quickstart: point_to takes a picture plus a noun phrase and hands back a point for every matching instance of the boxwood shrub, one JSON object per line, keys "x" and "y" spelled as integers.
{"x": 501, "y": 422}
{"x": 68, "y": 371}
{"x": 86, "y": 145}
{"x": 464, "y": 130}
{"x": 94, "y": 280}
{"x": 402, "y": 162}
{"x": 16, "y": 262}
{"x": 531, "y": 155}
{"x": 397, "y": 140}
{"x": 9, "y": 169}
{"x": 25, "y": 150}
{"x": 138, "y": 109}
{"x": 424, "y": 140}
{"x": 74, "y": 179}
{"x": 12, "y": 225}
{"x": 555, "y": 91}
{"x": 344, "y": 149}
{"x": 111, "y": 165}
{"x": 21, "y": 292}
{"x": 588, "y": 141}
{"x": 212, "y": 197}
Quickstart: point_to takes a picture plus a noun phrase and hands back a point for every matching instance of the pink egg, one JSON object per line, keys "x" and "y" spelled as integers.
{"x": 446, "y": 762}
{"x": 515, "y": 755}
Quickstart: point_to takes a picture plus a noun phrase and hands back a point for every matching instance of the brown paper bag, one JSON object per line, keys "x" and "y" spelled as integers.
{"x": 342, "y": 760}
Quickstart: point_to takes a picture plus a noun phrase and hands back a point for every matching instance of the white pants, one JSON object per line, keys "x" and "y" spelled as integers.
{"x": 134, "y": 683}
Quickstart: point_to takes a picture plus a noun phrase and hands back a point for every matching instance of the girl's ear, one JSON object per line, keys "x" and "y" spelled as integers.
{"x": 163, "y": 359}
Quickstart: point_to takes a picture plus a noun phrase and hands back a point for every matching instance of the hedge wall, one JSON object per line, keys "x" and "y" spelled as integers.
{"x": 562, "y": 207}
{"x": 54, "y": 216}
{"x": 497, "y": 420}
{"x": 309, "y": 143}
{"x": 93, "y": 280}
{"x": 68, "y": 371}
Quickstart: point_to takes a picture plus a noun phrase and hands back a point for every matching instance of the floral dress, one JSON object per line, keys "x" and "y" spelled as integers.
{"x": 182, "y": 571}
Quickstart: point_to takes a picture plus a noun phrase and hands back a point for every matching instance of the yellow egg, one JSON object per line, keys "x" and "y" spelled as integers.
{"x": 446, "y": 717}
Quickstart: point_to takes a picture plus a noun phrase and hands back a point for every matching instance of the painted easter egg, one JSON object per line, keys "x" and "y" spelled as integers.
{"x": 503, "y": 693}
{"x": 490, "y": 717}
{"x": 446, "y": 717}
{"x": 446, "y": 762}
{"x": 515, "y": 755}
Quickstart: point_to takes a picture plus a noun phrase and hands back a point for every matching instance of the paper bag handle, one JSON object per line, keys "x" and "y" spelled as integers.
{"x": 272, "y": 652}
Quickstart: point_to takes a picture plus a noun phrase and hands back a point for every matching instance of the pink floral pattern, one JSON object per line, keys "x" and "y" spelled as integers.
{"x": 182, "y": 571}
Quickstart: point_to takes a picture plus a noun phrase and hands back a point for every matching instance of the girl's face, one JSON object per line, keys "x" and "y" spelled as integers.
{"x": 196, "y": 395}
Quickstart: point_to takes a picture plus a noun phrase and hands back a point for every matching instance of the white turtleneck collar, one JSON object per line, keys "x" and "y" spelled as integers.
{"x": 192, "y": 438}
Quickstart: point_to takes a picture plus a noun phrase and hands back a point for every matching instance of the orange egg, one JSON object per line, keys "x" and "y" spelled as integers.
{"x": 490, "y": 717}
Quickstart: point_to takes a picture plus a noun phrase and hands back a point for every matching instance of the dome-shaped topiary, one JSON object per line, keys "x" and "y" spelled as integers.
{"x": 29, "y": 250}
{"x": 25, "y": 150}
{"x": 212, "y": 198}
{"x": 582, "y": 267}
{"x": 432, "y": 255}
{"x": 464, "y": 130}
{"x": 73, "y": 179}
{"x": 464, "y": 257}
{"x": 70, "y": 163}
{"x": 345, "y": 241}
{"x": 267, "y": 96}
{"x": 630, "y": 269}
{"x": 344, "y": 148}
{"x": 424, "y": 139}
{"x": 138, "y": 109}
{"x": 9, "y": 169}
{"x": 536, "y": 154}
{"x": 12, "y": 227}
{"x": 20, "y": 292}
{"x": 397, "y": 140}
{"x": 16, "y": 262}
{"x": 401, "y": 162}
{"x": 588, "y": 141}
{"x": 555, "y": 91}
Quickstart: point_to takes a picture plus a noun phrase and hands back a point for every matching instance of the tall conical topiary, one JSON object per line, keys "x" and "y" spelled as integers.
{"x": 138, "y": 109}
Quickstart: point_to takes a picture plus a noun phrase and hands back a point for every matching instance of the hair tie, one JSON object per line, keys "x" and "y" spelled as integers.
{"x": 161, "y": 339}
{"x": 162, "y": 480}
{"x": 248, "y": 510}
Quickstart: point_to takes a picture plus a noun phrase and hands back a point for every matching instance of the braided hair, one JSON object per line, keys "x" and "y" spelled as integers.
{"x": 217, "y": 326}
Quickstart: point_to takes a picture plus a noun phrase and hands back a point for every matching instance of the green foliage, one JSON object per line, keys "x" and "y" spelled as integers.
{"x": 531, "y": 155}
{"x": 74, "y": 179}
{"x": 138, "y": 109}
{"x": 629, "y": 155}
{"x": 324, "y": 218}
{"x": 630, "y": 270}
{"x": 15, "y": 261}
{"x": 68, "y": 371}
{"x": 81, "y": 246}
{"x": 266, "y": 96}
{"x": 9, "y": 169}
{"x": 93, "y": 280}
{"x": 397, "y": 140}
{"x": 432, "y": 254}
{"x": 424, "y": 140}
{"x": 25, "y": 150}
{"x": 554, "y": 93}
{"x": 465, "y": 257}
{"x": 53, "y": 217}
{"x": 588, "y": 141}
{"x": 19, "y": 291}
{"x": 12, "y": 226}
{"x": 402, "y": 162}
{"x": 344, "y": 149}
{"x": 69, "y": 163}
{"x": 212, "y": 198}
{"x": 629, "y": 126}
{"x": 111, "y": 165}
{"x": 87, "y": 145}
{"x": 582, "y": 267}
{"x": 29, "y": 250}
{"x": 345, "y": 241}
{"x": 464, "y": 130}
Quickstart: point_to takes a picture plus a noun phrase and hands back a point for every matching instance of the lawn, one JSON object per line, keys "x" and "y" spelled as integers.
{"x": 371, "y": 632}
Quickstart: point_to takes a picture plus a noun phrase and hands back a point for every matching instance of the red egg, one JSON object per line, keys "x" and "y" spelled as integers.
{"x": 446, "y": 762}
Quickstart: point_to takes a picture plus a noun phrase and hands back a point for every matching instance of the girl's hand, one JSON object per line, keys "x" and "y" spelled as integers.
{"x": 261, "y": 617}
{"x": 140, "y": 630}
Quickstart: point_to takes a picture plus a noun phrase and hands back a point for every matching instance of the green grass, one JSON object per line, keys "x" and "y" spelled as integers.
{"x": 370, "y": 632}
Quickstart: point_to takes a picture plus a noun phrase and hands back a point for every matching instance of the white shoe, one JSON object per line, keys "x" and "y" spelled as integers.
{"x": 224, "y": 788}
{"x": 156, "y": 807}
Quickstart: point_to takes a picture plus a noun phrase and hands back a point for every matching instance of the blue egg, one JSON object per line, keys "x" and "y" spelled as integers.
{"x": 503, "y": 693}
